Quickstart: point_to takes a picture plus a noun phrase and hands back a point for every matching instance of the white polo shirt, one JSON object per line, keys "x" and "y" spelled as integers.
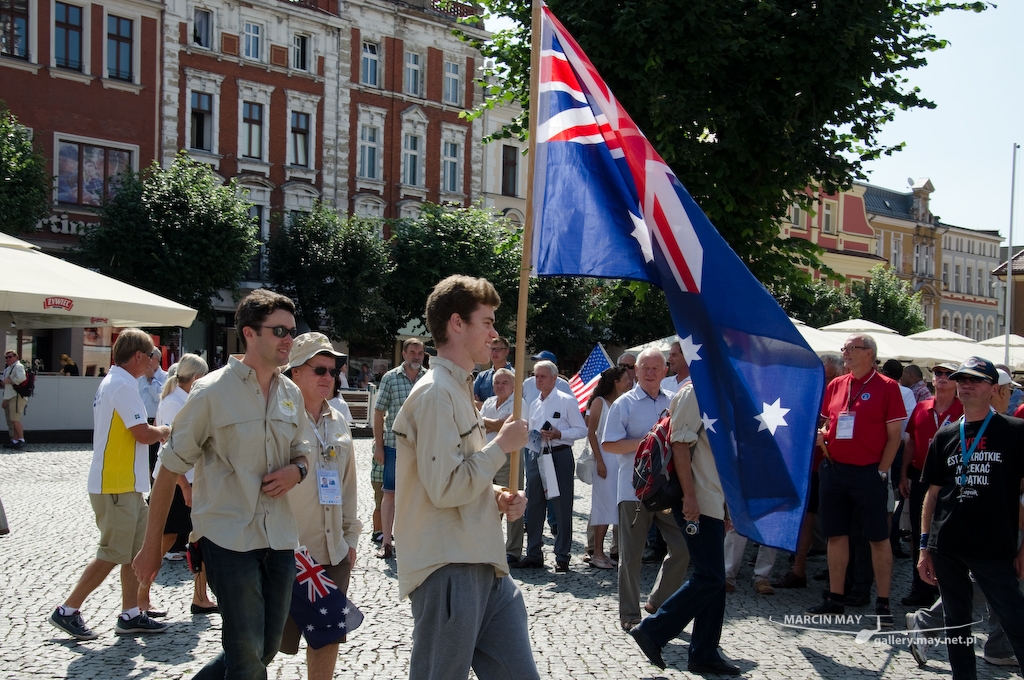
{"x": 120, "y": 464}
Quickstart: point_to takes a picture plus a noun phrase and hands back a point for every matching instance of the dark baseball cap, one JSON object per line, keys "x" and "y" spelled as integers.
{"x": 979, "y": 368}
{"x": 545, "y": 356}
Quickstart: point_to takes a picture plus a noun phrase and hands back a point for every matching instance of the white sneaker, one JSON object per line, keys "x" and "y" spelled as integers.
{"x": 918, "y": 646}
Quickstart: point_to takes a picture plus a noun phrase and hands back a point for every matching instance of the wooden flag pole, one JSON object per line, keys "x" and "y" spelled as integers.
{"x": 524, "y": 266}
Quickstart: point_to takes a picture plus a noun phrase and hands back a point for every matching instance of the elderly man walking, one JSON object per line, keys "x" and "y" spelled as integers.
{"x": 631, "y": 417}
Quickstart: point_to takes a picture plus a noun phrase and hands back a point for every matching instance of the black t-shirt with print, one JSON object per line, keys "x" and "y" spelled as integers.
{"x": 978, "y": 519}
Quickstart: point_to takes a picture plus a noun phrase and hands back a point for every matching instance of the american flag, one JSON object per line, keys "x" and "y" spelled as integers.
{"x": 584, "y": 382}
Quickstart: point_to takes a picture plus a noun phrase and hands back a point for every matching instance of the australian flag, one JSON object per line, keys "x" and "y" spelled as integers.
{"x": 320, "y": 610}
{"x": 606, "y": 205}
{"x": 584, "y": 382}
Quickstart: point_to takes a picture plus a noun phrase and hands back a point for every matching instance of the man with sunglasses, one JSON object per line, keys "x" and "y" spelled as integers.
{"x": 970, "y": 521}
{"x": 243, "y": 429}
{"x": 325, "y": 512}
{"x": 928, "y": 416}
{"x": 628, "y": 362}
{"x": 394, "y": 389}
{"x": 863, "y": 414}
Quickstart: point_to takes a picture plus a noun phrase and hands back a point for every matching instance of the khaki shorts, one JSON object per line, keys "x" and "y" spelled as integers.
{"x": 340, "y": 574}
{"x": 121, "y": 518}
{"x": 16, "y": 408}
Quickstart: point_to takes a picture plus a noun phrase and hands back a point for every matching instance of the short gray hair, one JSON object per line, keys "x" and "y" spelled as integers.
{"x": 833, "y": 360}
{"x": 869, "y": 342}
{"x": 624, "y": 355}
{"x": 547, "y": 366}
{"x": 649, "y": 352}
{"x": 504, "y": 371}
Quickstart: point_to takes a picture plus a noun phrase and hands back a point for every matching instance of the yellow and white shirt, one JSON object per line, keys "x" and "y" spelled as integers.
{"x": 119, "y": 463}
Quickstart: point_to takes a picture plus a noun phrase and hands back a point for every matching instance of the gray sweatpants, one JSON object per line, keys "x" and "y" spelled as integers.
{"x": 460, "y": 603}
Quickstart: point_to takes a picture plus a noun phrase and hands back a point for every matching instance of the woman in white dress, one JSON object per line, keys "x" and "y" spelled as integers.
{"x": 604, "y": 511}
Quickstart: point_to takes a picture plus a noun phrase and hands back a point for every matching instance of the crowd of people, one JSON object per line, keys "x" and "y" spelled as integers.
{"x": 232, "y": 449}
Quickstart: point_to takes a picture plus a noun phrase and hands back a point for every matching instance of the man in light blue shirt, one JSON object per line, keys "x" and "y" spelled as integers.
{"x": 151, "y": 384}
{"x": 630, "y": 418}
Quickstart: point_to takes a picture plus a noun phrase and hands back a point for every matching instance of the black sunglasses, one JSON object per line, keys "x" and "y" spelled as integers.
{"x": 973, "y": 379}
{"x": 945, "y": 373}
{"x": 630, "y": 366}
{"x": 323, "y": 370}
{"x": 280, "y": 331}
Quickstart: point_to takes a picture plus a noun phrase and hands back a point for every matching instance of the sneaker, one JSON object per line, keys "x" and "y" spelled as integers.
{"x": 828, "y": 606}
{"x": 918, "y": 645}
{"x": 1001, "y": 660}
{"x": 855, "y": 600}
{"x": 73, "y": 625}
{"x": 377, "y": 536}
{"x": 762, "y": 587}
{"x": 884, "y": 615}
{"x": 140, "y": 624}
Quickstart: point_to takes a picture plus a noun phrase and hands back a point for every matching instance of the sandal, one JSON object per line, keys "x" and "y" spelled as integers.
{"x": 601, "y": 563}
{"x": 386, "y": 552}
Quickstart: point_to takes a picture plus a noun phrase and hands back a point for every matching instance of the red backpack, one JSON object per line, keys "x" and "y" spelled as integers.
{"x": 654, "y": 476}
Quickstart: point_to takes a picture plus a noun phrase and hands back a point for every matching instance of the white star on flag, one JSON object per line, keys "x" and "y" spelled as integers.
{"x": 772, "y": 417}
{"x": 323, "y": 611}
{"x": 310, "y": 627}
{"x": 709, "y": 423}
{"x": 345, "y": 611}
{"x": 643, "y": 236}
{"x": 689, "y": 349}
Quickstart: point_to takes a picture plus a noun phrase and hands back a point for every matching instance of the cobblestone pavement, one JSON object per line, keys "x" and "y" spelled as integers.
{"x": 573, "y": 617}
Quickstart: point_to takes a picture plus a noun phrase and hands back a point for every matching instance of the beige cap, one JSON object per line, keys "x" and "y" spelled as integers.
{"x": 307, "y": 346}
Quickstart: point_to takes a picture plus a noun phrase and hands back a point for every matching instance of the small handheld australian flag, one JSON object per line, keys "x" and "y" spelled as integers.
{"x": 319, "y": 608}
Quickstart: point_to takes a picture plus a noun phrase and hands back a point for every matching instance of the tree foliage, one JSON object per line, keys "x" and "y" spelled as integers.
{"x": 559, "y": 316}
{"x": 25, "y": 186}
{"x": 889, "y": 300}
{"x": 749, "y": 102}
{"x": 336, "y": 270}
{"x": 446, "y": 240}
{"x": 177, "y": 232}
{"x": 820, "y": 304}
{"x": 632, "y": 313}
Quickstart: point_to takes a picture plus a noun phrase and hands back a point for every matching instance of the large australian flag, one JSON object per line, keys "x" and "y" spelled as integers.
{"x": 606, "y": 205}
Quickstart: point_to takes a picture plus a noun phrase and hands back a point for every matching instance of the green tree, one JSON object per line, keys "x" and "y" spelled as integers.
{"x": 748, "y": 101}
{"x": 177, "y": 232}
{"x": 26, "y": 188}
{"x": 820, "y": 304}
{"x": 632, "y": 313}
{"x": 889, "y": 300}
{"x": 445, "y": 240}
{"x": 337, "y": 270}
{"x": 559, "y": 317}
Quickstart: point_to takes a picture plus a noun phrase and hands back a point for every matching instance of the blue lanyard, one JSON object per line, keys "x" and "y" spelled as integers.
{"x": 965, "y": 455}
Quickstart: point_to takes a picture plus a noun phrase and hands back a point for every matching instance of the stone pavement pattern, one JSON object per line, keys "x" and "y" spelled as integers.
{"x": 573, "y": 617}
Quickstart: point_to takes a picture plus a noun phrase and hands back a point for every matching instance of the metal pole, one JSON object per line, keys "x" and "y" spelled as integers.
{"x": 1008, "y": 313}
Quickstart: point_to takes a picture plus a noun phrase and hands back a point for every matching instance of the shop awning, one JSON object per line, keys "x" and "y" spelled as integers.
{"x": 41, "y": 291}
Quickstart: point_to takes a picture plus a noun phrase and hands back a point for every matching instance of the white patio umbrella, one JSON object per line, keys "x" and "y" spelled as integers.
{"x": 891, "y": 345}
{"x": 663, "y": 345}
{"x": 993, "y": 349}
{"x": 42, "y": 291}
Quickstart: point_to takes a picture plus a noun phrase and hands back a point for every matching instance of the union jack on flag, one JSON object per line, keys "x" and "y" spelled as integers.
{"x": 584, "y": 382}
{"x": 606, "y": 205}
{"x": 318, "y": 583}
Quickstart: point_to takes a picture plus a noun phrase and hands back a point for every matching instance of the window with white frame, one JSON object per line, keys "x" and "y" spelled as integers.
{"x": 896, "y": 253}
{"x": 300, "y": 52}
{"x": 119, "y": 48}
{"x": 253, "y": 124}
{"x": 302, "y": 133}
{"x": 991, "y": 328}
{"x": 979, "y": 328}
{"x": 14, "y": 31}
{"x": 89, "y": 170}
{"x": 369, "y": 71}
{"x": 253, "y": 41}
{"x": 956, "y": 322}
{"x": 259, "y": 210}
{"x": 410, "y": 210}
{"x": 969, "y": 326}
{"x": 828, "y": 217}
{"x": 68, "y": 48}
{"x": 970, "y": 281}
{"x": 957, "y": 284}
{"x": 202, "y": 28}
{"x": 370, "y": 151}
{"x": 453, "y": 140}
{"x": 796, "y": 216}
{"x": 367, "y": 205}
{"x": 414, "y": 136}
{"x": 980, "y": 283}
{"x": 414, "y": 74}
{"x": 945, "y": 321}
{"x": 945, "y": 276}
{"x": 452, "y": 83}
{"x": 917, "y": 258}
{"x": 509, "y": 170}
{"x": 252, "y": 130}
{"x": 204, "y": 106}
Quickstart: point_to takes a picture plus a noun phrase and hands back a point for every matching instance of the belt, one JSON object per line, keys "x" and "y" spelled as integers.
{"x": 561, "y": 447}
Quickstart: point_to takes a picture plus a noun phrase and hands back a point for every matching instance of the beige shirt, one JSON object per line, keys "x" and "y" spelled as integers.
{"x": 327, "y": 531}
{"x": 233, "y": 437}
{"x": 687, "y": 427}
{"x": 445, "y": 508}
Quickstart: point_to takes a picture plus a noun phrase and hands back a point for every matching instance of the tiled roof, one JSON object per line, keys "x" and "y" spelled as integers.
{"x": 879, "y": 201}
{"x": 1018, "y": 266}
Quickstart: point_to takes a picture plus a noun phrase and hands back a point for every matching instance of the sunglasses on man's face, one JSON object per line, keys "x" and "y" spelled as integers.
{"x": 973, "y": 379}
{"x": 323, "y": 370}
{"x": 942, "y": 374}
{"x": 280, "y": 331}
{"x": 629, "y": 366}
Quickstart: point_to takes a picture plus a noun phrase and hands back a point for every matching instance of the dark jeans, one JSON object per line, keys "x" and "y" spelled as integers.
{"x": 536, "y": 505}
{"x": 998, "y": 580}
{"x": 254, "y": 592}
{"x": 701, "y": 599}
{"x": 918, "y": 489}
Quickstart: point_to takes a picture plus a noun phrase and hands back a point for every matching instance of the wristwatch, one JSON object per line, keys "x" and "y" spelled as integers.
{"x": 884, "y": 476}
{"x": 303, "y": 471}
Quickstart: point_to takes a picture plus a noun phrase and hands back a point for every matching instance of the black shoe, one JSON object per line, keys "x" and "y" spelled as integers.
{"x": 613, "y": 556}
{"x": 561, "y": 567}
{"x": 884, "y": 616}
{"x": 653, "y": 557}
{"x": 898, "y": 553}
{"x": 201, "y": 610}
{"x": 377, "y": 537}
{"x": 512, "y": 559}
{"x": 828, "y": 606}
{"x": 821, "y": 576}
{"x": 919, "y": 599}
{"x": 714, "y": 668}
{"x": 647, "y": 646}
{"x": 528, "y": 563}
{"x": 855, "y": 600}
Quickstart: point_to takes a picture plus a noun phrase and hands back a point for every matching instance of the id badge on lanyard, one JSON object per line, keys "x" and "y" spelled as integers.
{"x": 844, "y": 425}
{"x": 329, "y": 487}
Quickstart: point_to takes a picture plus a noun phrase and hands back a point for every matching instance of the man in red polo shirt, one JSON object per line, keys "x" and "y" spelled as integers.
{"x": 928, "y": 416}
{"x": 863, "y": 414}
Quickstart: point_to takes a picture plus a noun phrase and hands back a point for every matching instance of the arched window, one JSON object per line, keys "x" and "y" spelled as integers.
{"x": 945, "y": 321}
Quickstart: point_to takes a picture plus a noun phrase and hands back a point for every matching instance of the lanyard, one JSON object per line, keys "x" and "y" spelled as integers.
{"x": 849, "y": 386}
{"x": 945, "y": 420}
{"x": 965, "y": 455}
{"x": 316, "y": 430}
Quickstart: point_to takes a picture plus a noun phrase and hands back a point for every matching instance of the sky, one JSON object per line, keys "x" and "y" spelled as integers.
{"x": 965, "y": 144}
